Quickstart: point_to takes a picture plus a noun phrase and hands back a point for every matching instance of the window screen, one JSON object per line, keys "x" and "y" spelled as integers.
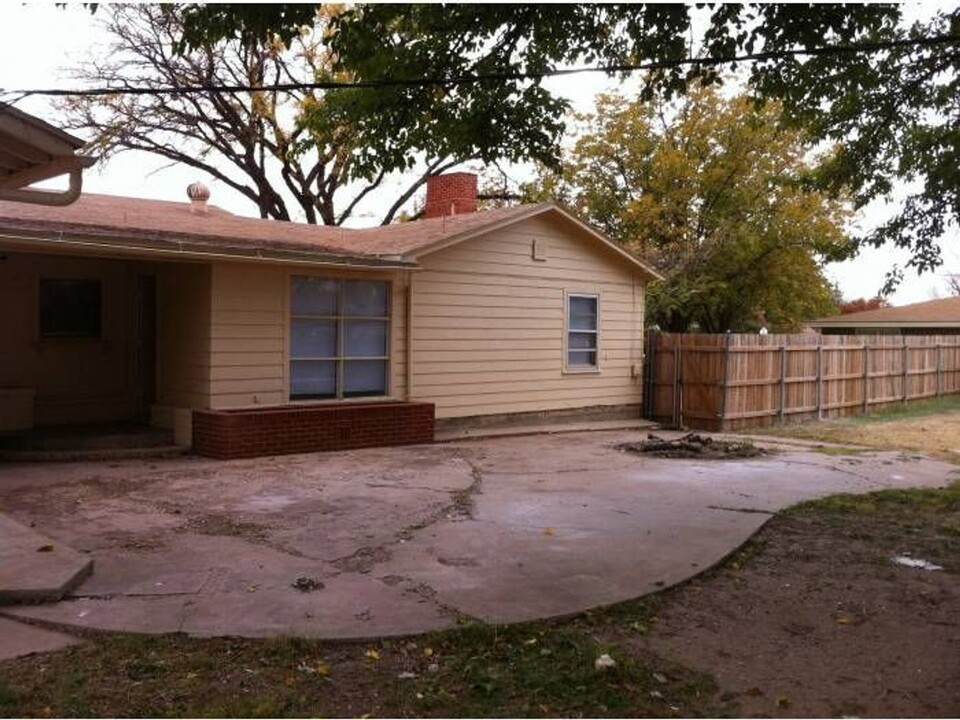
{"x": 69, "y": 308}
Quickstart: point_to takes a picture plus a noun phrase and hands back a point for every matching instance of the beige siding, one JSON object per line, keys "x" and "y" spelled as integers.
{"x": 183, "y": 337}
{"x": 74, "y": 380}
{"x": 488, "y": 323}
{"x": 249, "y": 342}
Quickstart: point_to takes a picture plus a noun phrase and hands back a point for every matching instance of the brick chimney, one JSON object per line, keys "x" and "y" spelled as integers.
{"x": 451, "y": 194}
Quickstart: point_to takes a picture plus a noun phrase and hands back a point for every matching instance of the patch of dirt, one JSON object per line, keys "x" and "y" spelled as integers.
{"x": 221, "y": 524}
{"x": 814, "y": 619}
{"x": 363, "y": 560}
{"x": 694, "y": 446}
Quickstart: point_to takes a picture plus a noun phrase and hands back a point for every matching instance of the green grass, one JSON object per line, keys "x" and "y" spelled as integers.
{"x": 931, "y": 501}
{"x": 528, "y": 670}
{"x": 913, "y": 409}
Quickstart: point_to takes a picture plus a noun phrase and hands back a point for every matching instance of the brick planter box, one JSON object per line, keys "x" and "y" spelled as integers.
{"x": 227, "y": 434}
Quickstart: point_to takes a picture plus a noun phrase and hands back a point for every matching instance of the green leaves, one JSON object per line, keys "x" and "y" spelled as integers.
{"x": 712, "y": 192}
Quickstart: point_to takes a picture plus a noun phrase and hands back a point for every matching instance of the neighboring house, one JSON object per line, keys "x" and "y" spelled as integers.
{"x": 116, "y": 308}
{"x": 32, "y": 151}
{"x": 933, "y": 317}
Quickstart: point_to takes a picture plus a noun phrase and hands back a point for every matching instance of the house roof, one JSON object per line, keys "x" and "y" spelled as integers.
{"x": 32, "y": 150}
{"x": 175, "y": 227}
{"x": 943, "y": 312}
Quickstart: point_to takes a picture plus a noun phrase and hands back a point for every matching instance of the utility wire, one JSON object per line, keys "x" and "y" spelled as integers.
{"x": 497, "y": 76}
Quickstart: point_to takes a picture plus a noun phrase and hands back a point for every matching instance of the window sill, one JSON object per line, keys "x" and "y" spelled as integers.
{"x": 581, "y": 371}
{"x": 338, "y": 401}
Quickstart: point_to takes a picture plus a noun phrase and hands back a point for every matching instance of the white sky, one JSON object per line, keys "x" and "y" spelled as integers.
{"x": 39, "y": 42}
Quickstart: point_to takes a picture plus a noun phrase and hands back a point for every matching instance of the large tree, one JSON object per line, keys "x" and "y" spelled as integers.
{"x": 893, "y": 107}
{"x": 279, "y": 149}
{"x": 711, "y": 191}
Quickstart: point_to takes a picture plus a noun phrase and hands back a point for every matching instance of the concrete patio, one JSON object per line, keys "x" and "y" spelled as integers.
{"x": 405, "y": 540}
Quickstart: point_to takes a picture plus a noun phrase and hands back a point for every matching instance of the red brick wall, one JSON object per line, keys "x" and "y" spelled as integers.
{"x": 451, "y": 194}
{"x": 226, "y": 434}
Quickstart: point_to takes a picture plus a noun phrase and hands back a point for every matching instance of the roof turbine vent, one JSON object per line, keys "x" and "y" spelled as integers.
{"x": 198, "y": 194}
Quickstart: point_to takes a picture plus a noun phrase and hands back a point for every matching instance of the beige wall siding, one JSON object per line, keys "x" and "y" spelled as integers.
{"x": 488, "y": 323}
{"x": 74, "y": 380}
{"x": 249, "y": 343}
{"x": 183, "y": 336}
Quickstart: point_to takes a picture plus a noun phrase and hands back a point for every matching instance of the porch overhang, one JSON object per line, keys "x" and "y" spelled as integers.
{"x": 103, "y": 242}
{"x": 32, "y": 151}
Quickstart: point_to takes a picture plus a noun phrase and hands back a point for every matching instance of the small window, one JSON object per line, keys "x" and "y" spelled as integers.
{"x": 582, "y": 332}
{"x": 69, "y": 308}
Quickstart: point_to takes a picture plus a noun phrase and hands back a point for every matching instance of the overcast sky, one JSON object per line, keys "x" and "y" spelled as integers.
{"x": 38, "y": 43}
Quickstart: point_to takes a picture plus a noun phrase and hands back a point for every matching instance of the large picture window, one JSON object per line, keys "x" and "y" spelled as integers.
{"x": 69, "y": 308}
{"x": 582, "y": 332}
{"x": 339, "y": 338}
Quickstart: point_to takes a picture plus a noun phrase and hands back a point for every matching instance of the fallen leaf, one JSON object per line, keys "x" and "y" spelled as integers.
{"x": 45, "y": 548}
{"x": 531, "y": 641}
{"x": 548, "y": 531}
{"x": 660, "y": 678}
{"x": 754, "y": 692}
{"x": 323, "y": 668}
{"x": 782, "y": 701}
{"x": 428, "y": 652}
{"x": 290, "y": 681}
{"x": 372, "y": 655}
{"x": 604, "y": 661}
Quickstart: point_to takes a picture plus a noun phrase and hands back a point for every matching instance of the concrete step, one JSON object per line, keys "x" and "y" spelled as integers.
{"x": 492, "y": 431}
{"x": 81, "y": 438}
{"x": 135, "y": 453}
{"x": 34, "y": 568}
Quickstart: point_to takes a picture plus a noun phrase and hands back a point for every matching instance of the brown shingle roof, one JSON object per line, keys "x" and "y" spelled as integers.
{"x": 162, "y": 223}
{"x": 944, "y": 311}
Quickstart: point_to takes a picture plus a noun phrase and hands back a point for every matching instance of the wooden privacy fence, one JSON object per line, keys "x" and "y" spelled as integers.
{"x": 734, "y": 381}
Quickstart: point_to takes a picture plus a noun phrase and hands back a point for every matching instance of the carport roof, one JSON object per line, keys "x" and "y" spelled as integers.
{"x": 32, "y": 150}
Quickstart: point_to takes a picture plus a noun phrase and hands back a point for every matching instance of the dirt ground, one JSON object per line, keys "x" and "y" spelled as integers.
{"x": 816, "y": 620}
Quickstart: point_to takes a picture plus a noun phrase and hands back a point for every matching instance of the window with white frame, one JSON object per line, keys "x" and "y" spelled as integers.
{"x": 582, "y": 331}
{"x": 339, "y": 337}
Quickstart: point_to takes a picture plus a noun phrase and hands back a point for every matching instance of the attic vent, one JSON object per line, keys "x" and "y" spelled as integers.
{"x": 198, "y": 194}
{"x": 539, "y": 250}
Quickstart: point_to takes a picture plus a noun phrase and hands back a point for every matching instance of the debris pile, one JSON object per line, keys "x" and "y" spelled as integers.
{"x": 693, "y": 445}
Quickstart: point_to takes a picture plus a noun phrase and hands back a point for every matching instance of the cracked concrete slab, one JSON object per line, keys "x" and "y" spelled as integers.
{"x": 397, "y": 541}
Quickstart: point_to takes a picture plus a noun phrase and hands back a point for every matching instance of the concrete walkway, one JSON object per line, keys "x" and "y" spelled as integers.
{"x": 34, "y": 568}
{"x": 405, "y": 540}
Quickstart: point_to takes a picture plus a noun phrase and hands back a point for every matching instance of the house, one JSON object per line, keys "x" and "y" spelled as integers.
{"x": 32, "y": 151}
{"x": 933, "y": 317}
{"x": 248, "y": 336}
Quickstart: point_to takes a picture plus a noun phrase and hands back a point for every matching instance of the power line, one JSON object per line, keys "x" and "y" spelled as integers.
{"x": 470, "y": 79}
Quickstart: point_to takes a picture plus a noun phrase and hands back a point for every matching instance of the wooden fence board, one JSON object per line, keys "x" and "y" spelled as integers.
{"x": 733, "y": 381}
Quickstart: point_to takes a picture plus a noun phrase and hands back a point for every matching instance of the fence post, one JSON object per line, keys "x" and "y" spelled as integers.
{"x": 820, "y": 378}
{"x": 866, "y": 377}
{"x": 676, "y": 381}
{"x": 724, "y": 380}
{"x": 905, "y": 368}
{"x": 649, "y": 370}
{"x": 783, "y": 381}
{"x": 939, "y": 368}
